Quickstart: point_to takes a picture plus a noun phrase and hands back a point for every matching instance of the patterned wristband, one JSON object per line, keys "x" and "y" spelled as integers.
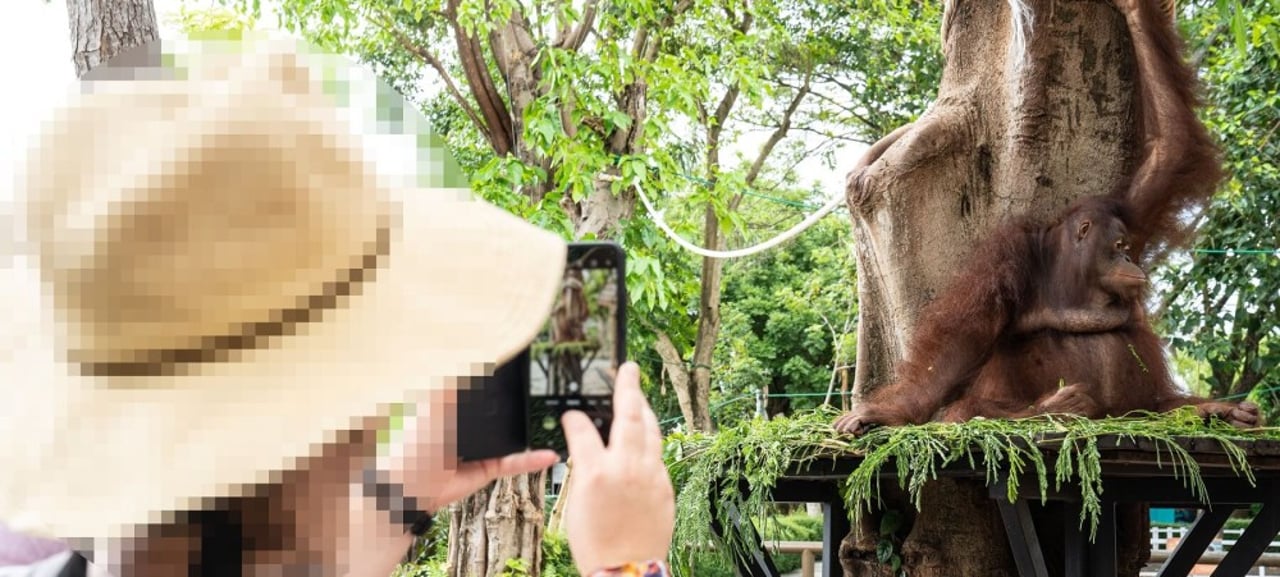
{"x": 652, "y": 568}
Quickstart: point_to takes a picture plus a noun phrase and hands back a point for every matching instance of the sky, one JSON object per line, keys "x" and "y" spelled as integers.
{"x": 35, "y": 53}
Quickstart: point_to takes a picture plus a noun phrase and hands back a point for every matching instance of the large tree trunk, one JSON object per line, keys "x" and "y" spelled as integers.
{"x": 1003, "y": 138}
{"x": 500, "y": 523}
{"x": 100, "y": 29}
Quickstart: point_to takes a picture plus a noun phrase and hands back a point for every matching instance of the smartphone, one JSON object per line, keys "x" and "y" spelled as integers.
{"x": 570, "y": 365}
{"x": 574, "y": 360}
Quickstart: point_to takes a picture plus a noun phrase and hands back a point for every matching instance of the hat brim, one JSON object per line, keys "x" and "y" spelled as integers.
{"x": 87, "y": 461}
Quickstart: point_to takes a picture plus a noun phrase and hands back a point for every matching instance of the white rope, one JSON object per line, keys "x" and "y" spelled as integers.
{"x": 766, "y": 245}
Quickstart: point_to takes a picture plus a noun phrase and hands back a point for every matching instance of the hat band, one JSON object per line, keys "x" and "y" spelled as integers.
{"x": 251, "y": 336}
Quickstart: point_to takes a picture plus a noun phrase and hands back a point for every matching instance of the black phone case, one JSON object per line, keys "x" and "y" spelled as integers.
{"x": 598, "y": 409}
{"x": 493, "y": 413}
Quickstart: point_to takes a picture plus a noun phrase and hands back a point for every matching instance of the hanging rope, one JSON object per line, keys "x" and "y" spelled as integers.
{"x": 656, "y": 215}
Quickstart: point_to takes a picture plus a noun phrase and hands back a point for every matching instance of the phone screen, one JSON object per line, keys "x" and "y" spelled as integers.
{"x": 574, "y": 360}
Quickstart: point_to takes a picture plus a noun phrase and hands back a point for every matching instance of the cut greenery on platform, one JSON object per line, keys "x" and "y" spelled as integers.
{"x": 759, "y": 453}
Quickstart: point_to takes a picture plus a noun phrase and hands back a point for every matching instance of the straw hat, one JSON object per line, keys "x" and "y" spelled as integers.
{"x": 219, "y": 283}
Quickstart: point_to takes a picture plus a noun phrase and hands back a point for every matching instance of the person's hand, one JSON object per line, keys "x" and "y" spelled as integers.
{"x": 429, "y": 468}
{"x": 621, "y": 505}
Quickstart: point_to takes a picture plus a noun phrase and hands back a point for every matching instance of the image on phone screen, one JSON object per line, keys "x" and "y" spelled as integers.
{"x": 574, "y": 360}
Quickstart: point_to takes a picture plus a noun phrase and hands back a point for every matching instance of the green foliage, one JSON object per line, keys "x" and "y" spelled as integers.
{"x": 797, "y": 526}
{"x": 213, "y": 22}
{"x": 1223, "y": 310}
{"x": 758, "y": 453}
{"x": 557, "y": 561}
{"x": 688, "y": 62}
{"x": 428, "y": 557}
{"x": 888, "y": 546}
{"x": 430, "y": 562}
{"x": 788, "y": 318}
{"x": 1246, "y": 27}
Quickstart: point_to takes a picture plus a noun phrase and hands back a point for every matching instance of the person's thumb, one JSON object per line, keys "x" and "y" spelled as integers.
{"x": 581, "y": 436}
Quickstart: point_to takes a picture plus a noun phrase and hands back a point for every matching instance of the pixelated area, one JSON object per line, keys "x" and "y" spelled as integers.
{"x": 239, "y": 260}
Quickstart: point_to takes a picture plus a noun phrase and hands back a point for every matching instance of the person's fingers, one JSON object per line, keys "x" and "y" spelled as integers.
{"x": 470, "y": 477}
{"x": 526, "y": 462}
{"x": 513, "y": 464}
{"x": 581, "y": 436}
{"x": 628, "y": 430}
{"x": 652, "y": 433}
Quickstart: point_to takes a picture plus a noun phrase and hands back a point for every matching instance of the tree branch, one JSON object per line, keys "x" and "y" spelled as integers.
{"x": 722, "y": 114}
{"x": 572, "y": 39}
{"x": 639, "y": 41}
{"x": 723, "y": 109}
{"x": 703, "y": 115}
{"x": 873, "y": 127}
{"x": 631, "y": 101}
{"x": 429, "y": 58}
{"x": 668, "y": 350}
{"x": 1170, "y": 296}
{"x": 1247, "y": 378}
{"x": 641, "y": 49}
{"x": 673, "y": 364}
{"x": 774, "y": 139}
{"x": 492, "y": 107}
{"x": 850, "y": 136}
{"x": 1221, "y": 302}
{"x": 1198, "y": 58}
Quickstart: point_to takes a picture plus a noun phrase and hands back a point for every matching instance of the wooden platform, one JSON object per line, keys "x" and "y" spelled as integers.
{"x": 1133, "y": 471}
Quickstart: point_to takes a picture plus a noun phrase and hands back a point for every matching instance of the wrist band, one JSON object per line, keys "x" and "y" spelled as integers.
{"x": 390, "y": 497}
{"x": 651, "y": 568}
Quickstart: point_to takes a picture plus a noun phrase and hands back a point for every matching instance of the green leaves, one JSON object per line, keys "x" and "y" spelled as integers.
{"x": 759, "y": 452}
{"x": 1251, "y": 25}
{"x": 639, "y": 100}
{"x": 541, "y": 125}
{"x": 788, "y": 315}
{"x": 215, "y": 22}
{"x": 1222, "y": 313}
{"x": 647, "y": 282}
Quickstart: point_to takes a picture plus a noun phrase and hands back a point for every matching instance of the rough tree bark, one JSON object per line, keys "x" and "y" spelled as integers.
{"x": 100, "y": 29}
{"x": 503, "y": 522}
{"x": 1006, "y": 136}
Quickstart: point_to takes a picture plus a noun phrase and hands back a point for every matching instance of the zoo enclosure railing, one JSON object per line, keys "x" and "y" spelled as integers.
{"x": 1165, "y": 539}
